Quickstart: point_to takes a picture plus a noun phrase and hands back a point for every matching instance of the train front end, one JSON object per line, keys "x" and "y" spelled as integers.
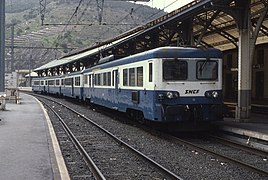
{"x": 189, "y": 87}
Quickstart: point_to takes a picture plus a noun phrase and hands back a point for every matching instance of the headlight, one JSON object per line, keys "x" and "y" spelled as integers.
{"x": 171, "y": 95}
{"x": 168, "y": 95}
{"x": 212, "y": 94}
{"x": 161, "y": 96}
{"x": 215, "y": 94}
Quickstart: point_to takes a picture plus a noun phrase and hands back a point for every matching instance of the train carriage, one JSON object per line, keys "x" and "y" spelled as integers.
{"x": 72, "y": 85}
{"x": 166, "y": 84}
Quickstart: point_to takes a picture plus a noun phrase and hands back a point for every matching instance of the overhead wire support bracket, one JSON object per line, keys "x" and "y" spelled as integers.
{"x": 42, "y": 10}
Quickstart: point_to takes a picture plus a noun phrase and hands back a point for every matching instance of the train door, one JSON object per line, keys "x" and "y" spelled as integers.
{"x": 259, "y": 84}
{"x": 115, "y": 83}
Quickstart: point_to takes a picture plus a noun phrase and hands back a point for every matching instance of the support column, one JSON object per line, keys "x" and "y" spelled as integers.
{"x": 244, "y": 75}
{"x": 2, "y": 55}
{"x": 2, "y": 46}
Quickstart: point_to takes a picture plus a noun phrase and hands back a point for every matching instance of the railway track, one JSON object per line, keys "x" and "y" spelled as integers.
{"x": 107, "y": 156}
{"x": 243, "y": 156}
{"x": 175, "y": 156}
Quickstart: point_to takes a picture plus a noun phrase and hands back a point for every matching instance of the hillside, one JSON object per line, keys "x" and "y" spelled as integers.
{"x": 83, "y": 29}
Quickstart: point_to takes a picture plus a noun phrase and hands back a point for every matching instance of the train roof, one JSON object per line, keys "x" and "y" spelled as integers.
{"x": 163, "y": 52}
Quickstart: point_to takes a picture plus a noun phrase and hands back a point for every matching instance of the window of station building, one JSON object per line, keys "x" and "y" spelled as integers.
{"x": 150, "y": 72}
{"x": 260, "y": 56}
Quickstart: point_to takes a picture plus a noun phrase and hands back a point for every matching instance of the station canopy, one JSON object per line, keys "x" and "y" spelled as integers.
{"x": 209, "y": 23}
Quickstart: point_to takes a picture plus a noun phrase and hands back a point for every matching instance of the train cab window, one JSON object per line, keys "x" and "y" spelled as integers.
{"x": 131, "y": 77}
{"x": 175, "y": 70}
{"x": 207, "y": 70}
{"x": 140, "y": 76}
{"x": 150, "y": 72}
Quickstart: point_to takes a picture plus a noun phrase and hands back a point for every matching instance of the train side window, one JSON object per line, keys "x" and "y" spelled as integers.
{"x": 115, "y": 79}
{"x": 150, "y": 72}
{"x": 57, "y": 82}
{"x": 97, "y": 79}
{"x": 104, "y": 79}
{"x": 51, "y": 82}
{"x": 42, "y": 83}
{"x": 131, "y": 77}
{"x": 109, "y": 78}
{"x": 77, "y": 81}
{"x": 69, "y": 81}
{"x": 89, "y": 80}
{"x": 85, "y": 79}
{"x": 125, "y": 77}
{"x": 140, "y": 76}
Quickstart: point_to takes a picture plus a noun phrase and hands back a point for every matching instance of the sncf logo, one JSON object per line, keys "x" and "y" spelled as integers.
{"x": 192, "y": 91}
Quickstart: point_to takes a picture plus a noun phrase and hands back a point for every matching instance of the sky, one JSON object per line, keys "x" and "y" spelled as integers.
{"x": 169, "y": 4}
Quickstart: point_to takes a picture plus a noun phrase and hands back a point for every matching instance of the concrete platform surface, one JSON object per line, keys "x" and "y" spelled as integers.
{"x": 256, "y": 126}
{"x": 26, "y": 144}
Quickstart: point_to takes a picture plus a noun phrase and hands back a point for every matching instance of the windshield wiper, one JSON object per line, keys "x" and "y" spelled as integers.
{"x": 203, "y": 65}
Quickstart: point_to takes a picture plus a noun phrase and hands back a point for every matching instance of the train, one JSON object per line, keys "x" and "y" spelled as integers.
{"x": 165, "y": 84}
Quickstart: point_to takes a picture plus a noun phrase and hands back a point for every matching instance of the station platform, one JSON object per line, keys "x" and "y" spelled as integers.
{"x": 28, "y": 145}
{"x": 256, "y": 127}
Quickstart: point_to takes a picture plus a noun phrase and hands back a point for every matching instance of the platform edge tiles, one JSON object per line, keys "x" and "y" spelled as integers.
{"x": 58, "y": 164}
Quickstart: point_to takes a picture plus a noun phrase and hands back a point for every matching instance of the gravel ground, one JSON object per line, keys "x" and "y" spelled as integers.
{"x": 185, "y": 162}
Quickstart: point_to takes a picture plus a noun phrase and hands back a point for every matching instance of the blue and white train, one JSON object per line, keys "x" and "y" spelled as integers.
{"x": 167, "y": 84}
